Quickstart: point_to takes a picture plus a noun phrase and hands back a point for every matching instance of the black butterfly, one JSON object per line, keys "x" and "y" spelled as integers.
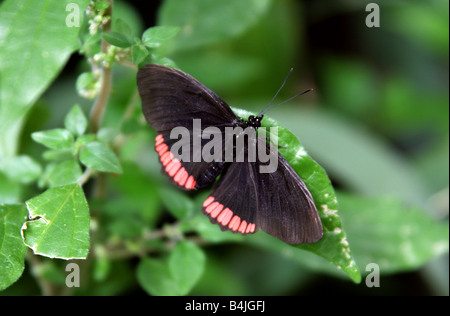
{"x": 243, "y": 200}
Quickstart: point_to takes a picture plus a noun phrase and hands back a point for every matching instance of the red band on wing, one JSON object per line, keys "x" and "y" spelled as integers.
{"x": 159, "y": 140}
{"x": 226, "y": 217}
{"x": 208, "y": 201}
{"x": 242, "y": 227}
{"x": 173, "y": 166}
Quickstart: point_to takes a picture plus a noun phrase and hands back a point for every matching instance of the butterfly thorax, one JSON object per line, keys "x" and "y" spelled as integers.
{"x": 253, "y": 121}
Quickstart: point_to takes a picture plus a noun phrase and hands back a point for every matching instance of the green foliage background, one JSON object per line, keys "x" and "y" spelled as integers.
{"x": 377, "y": 122}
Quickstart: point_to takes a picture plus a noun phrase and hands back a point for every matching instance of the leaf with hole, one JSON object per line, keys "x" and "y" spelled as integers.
{"x": 59, "y": 223}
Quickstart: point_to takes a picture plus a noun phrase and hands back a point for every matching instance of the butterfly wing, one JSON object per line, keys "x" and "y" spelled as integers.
{"x": 173, "y": 99}
{"x": 245, "y": 200}
{"x": 186, "y": 174}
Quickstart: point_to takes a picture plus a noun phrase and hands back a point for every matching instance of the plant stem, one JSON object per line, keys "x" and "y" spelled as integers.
{"x": 105, "y": 80}
{"x": 128, "y": 64}
{"x": 85, "y": 176}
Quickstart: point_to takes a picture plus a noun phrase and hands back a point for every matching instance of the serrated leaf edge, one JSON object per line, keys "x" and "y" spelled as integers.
{"x": 37, "y": 218}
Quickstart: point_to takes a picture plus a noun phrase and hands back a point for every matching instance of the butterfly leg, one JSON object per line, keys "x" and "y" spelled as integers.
{"x": 269, "y": 140}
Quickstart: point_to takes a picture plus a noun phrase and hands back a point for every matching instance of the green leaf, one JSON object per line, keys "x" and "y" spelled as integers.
{"x": 107, "y": 134}
{"x": 21, "y": 169}
{"x": 334, "y": 246}
{"x": 118, "y": 39}
{"x": 42, "y": 45}
{"x": 102, "y": 265}
{"x": 57, "y": 138}
{"x": 65, "y": 172}
{"x": 136, "y": 191}
{"x": 154, "y": 36}
{"x": 98, "y": 156}
{"x": 175, "y": 277}
{"x": 125, "y": 11}
{"x": 197, "y": 19}
{"x": 160, "y": 60}
{"x": 126, "y": 226}
{"x": 121, "y": 26}
{"x": 101, "y": 5}
{"x": 178, "y": 204}
{"x": 43, "y": 179}
{"x": 186, "y": 264}
{"x": 59, "y": 223}
{"x": 155, "y": 277}
{"x": 10, "y": 192}
{"x": 91, "y": 44}
{"x": 85, "y": 139}
{"x": 138, "y": 53}
{"x": 387, "y": 232}
{"x": 82, "y": 141}
{"x": 76, "y": 121}
{"x": 12, "y": 249}
{"x": 57, "y": 154}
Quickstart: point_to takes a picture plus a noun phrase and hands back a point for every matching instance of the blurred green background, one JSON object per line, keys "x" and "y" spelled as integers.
{"x": 377, "y": 121}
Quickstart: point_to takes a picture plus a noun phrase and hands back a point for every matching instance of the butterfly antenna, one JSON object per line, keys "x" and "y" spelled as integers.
{"x": 287, "y": 100}
{"x": 287, "y": 77}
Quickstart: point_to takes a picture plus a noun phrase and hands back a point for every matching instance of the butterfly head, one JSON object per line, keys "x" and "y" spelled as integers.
{"x": 254, "y": 121}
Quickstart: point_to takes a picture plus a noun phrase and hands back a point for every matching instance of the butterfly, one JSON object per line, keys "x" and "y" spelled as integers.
{"x": 244, "y": 199}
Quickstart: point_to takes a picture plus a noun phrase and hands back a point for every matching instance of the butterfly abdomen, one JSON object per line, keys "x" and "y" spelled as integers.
{"x": 210, "y": 175}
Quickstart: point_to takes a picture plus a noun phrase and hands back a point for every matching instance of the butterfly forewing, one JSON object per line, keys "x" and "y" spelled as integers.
{"x": 173, "y": 99}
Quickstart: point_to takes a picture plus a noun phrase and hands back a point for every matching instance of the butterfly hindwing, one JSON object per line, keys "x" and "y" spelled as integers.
{"x": 245, "y": 200}
{"x": 233, "y": 202}
{"x": 186, "y": 174}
